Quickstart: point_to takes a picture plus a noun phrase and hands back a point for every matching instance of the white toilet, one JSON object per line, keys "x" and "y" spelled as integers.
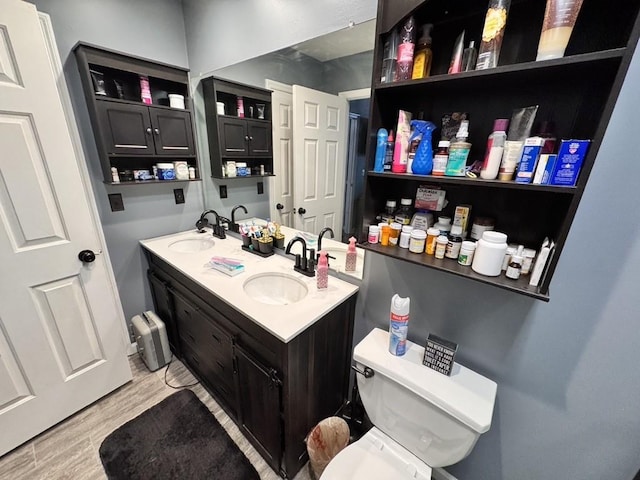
{"x": 422, "y": 419}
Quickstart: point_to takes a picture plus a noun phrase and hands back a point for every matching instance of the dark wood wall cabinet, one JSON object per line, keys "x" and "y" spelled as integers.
{"x": 577, "y": 92}
{"x": 275, "y": 391}
{"x": 233, "y": 137}
{"x": 132, "y": 135}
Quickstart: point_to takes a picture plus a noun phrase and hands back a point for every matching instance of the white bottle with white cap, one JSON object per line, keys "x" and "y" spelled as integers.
{"x": 490, "y": 254}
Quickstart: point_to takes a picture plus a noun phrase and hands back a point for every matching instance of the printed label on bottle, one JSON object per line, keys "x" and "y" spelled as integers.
{"x": 440, "y": 164}
{"x": 399, "y": 318}
{"x": 485, "y": 164}
{"x": 405, "y": 52}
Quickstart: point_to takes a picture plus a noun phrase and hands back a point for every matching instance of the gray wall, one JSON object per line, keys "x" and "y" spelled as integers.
{"x": 148, "y": 28}
{"x": 224, "y": 32}
{"x": 347, "y": 73}
{"x": 286, "y": 66}
{"x": 568, "y": 403}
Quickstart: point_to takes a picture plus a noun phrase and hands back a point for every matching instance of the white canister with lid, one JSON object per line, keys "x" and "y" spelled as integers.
{"x": 166, "y": 171}
{"x": 416, "y": 242}
{"x": 405, "y": 236}
{"x": 490, "y": 254}
{"x": 176, "y": 101}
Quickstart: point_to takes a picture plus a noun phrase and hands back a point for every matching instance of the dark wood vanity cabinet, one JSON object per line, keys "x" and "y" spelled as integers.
{"x": 275, "y": 391}
{"x": 130, "y": 134}
{"x": 577, "y": 92}
{"x": 235, "y": 138}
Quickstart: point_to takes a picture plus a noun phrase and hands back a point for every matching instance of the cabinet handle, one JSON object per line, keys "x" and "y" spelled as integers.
{"x": 216, "y": 338}
{"x": 246, "y": 137}
{"x": 148, "y": 130}
{"x": 156, "y": 131}
{"x": 250, "y": 138}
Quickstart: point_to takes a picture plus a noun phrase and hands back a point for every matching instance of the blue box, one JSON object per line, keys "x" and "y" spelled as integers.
{"x": 546, "y": 163}
{"x": 529, "y": 159}
{"x": 569, "y": 161}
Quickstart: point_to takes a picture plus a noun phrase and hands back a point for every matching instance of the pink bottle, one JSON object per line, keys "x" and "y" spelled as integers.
{"x": 352, "y": 256}
{"x": 322, "y": 272}
{"x": 145, "y": 90}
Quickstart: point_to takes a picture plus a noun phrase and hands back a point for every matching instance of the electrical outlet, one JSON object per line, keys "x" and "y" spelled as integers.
{"x": 223, "y": 191}
{"x": 115, "y": 200}
{"x": 260, "y": 188}
{"x": 178, "y": 193}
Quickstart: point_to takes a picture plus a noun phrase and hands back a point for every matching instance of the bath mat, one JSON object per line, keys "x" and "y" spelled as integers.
{"x": 177, "y": 438}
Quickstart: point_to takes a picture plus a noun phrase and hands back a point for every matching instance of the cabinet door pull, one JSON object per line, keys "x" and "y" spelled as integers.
{"x": 148, "y": 130}
{"x": 216, "y": 338}
{"x": 156, "y": 131}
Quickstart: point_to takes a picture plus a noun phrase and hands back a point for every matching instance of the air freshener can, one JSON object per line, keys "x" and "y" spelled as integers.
{"x": 398, "y": 325}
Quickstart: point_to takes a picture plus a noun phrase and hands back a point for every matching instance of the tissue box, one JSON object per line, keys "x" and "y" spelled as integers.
{"x": 570, "y": 157}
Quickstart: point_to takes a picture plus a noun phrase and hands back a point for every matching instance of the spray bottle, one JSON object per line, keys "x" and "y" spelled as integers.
{"x": 423, "y": 161}
{"x": 322, "y": 272}
{"x": 381, "y": 150}
{"x": 399, "y": 325}
{"x": 352, "y": 256}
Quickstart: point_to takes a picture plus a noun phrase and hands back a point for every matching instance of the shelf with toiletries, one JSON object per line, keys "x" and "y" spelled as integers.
{"x": 474, "y": 182}
{"x": 575, "y": 92}
{"x": 141, "y": 115}
{"x": 238, "y": 121}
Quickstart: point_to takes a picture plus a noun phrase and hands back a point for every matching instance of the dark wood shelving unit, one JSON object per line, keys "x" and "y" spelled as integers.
{"x": 130, "y": 134}
{"x": 231, "y": 137}
{"x": 152, "y": 182}
{"x": 474, "y": 182}
{"x": 577, "y": 92}
{"x": 451, "y": 266}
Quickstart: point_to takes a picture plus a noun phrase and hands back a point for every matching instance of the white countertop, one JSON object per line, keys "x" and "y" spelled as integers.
{"x": 283, "y": 321}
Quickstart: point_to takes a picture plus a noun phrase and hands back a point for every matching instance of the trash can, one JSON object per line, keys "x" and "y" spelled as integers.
{"x": 324, "y": 442}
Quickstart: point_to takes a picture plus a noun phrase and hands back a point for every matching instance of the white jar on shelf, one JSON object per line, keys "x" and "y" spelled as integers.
{"x": 490, "y": 254}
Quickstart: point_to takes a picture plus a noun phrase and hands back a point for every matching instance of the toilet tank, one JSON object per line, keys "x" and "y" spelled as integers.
{"x": 435, "y": 417}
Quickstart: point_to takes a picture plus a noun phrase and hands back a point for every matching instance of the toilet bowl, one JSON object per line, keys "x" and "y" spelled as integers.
{"x": 422, "y": 419}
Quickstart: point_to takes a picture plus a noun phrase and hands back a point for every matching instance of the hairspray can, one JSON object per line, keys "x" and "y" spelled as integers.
{"x": 398, "y": 325}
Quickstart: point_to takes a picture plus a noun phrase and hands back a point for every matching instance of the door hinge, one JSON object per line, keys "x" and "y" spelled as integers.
{"x": 273, "y": 376}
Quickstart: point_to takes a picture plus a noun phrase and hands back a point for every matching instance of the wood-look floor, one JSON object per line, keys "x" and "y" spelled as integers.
{"x": 70, "y": 449}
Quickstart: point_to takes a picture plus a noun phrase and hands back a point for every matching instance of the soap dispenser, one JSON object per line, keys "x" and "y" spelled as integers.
{"x": 322, "y": 273}
{"x": 352, "y": 256}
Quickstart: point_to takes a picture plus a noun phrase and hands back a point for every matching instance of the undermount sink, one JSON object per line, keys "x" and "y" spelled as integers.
{"x": 275, "y": 288}
{"x": 191, "y": 245}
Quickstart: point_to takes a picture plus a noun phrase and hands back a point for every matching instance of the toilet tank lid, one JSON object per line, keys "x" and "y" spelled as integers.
{"x": 465, "y": 395}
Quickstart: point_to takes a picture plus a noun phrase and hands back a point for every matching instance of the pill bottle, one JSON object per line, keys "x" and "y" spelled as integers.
{"x": 417, "y": 240}
{"x": 374, "y": 234}
{"x": 514, "y": 268}
{"x": 396, "y": 228}
{"x": 467, "y": 249}
{"x": 490, "y": 254}
{"x": 444, "y": 225}
{"x": 481, "y": 225}
{"x": 511, "y": 249}
{"x": 529, "y": 254}
{"x": 432, "y": 234}
{"x": 385, "y": 232}
{"x": 454, "y": 243}
{"x": 405, "y": 236}
{"x": 441, "y": 246}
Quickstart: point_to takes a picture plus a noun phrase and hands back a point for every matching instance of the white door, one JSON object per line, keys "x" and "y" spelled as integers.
{"x": 281, "y": 186}
{"x": 320, "y": 126}
{"x": 61, "y": 339}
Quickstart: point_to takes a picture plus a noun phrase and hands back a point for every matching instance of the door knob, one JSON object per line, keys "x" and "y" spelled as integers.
{"x": 279, "y": 206}
{"x": 87, "y": 256}
{"x": 302, "y": 211}
{"x": 156, "y": 131}
{"x": 148, "y": 130}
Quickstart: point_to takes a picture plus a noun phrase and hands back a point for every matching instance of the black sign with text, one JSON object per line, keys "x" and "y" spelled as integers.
{"x": 439, "y": 354}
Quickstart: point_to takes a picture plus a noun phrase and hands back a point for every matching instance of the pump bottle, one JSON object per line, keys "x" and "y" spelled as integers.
{"x": 322, "y": 272}
{"x": 352, "y": 256}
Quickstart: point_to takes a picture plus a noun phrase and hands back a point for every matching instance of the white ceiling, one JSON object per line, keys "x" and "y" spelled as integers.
{"x": 348, "y": 41}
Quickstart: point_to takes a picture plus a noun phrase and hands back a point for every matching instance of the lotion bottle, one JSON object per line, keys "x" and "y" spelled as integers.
{"x": 352, "y": 256}
{"x": 495, "y": 149}
{"x": 322, "y": 272}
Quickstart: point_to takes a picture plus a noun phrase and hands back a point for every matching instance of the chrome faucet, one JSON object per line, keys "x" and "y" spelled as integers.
{"x": 218, "y": 230}
{"x": 303, "y": 265}
{"x": 234, "y": 226}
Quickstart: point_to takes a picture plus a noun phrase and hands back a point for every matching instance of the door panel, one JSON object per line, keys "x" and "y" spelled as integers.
{"x": 259, "y": 138}
{"x": 281, "y": 186}
{"x": 172, "y": 132}
{"x": 320, "y": 125}
{"x": 62, "y": 341}
{"x": 260, "y": 408}
{"x": 233, "y": 137}
{"x": 126, "y": 129}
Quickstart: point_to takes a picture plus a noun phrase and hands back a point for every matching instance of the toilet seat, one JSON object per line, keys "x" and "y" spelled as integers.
{"x": 376, "y": 457}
